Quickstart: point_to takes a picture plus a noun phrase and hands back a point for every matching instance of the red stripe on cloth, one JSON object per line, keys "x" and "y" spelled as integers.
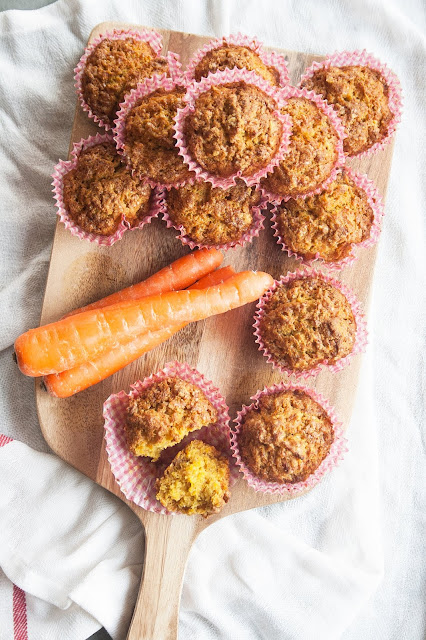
{"x": 20, "y": 631}
{"x": 4, "y": 440}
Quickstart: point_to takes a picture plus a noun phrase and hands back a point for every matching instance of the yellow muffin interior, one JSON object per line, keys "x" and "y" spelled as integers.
{"x": 196, "y": 482}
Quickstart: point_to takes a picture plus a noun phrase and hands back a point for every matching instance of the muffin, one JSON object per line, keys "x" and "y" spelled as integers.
{"x": 313, "y": 151}
{"x": 196, "y": 482}
{"x": 163, "y": 414}
{"x": 100, "y": 192}
{"x": 360, "y": 96}
{"x": 113, "y": 68}
{"x": 285, "y": 437}
{"x": 148, "y": 133}
{"x": 229, "y": 56}
{"x": 307, "y": 321}
{"x": 211, "y": 215}
{"x": 328, "y": 224}
{"x": 234, "y": 128}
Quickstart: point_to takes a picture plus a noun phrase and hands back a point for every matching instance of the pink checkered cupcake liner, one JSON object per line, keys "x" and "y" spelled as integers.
{"x": 135, "y": 475}
{"x": 336, "y": 123}
{"x": 248, "y": 235}
{"x": 269, "y": 58}
{"x": 365, "y": 59}
{"x": 144, "y": 88}
{"x": 65, "y": 166}
{"x": 335, "y": 455}
{"x": 227, "y": 76}
{"x": 153, "y": 38}
{"x": 375, "y": 201}
{"x": 361, "y": 326}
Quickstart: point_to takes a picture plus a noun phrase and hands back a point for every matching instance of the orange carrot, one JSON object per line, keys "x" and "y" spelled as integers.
{"x": 71, "y": 341}
{"x": 70, "y": 382}
{"x": 178, "y": 275}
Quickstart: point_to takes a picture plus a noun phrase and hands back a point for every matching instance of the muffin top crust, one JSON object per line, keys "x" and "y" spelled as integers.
{"x": 233, "y": 128}
{"x": 326, "y": 224}
{"x": 229, "y": 56}
{"x": 149, "y": 142}
{"x": 285, "y": 437}
{"x": 196, "y": 481}
{"x": 360, "y": 96}
{"x": 211, "y": 215}
{"x": 114, "y": 68}
{"x": 100, "y": 192}
{"x": 163, "y": 414}
{"x": 312, "y": 153}
{"x": 307, "y": 321}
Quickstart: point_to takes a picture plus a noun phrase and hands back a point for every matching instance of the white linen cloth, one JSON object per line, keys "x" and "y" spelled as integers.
{"x": 345, "y": 561}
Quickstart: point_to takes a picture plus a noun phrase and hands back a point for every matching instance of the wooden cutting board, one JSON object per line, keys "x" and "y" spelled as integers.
{"x": 222, "y": 348}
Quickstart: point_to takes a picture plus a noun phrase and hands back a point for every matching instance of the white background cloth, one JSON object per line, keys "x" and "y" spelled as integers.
{"x": 345, "y": 561}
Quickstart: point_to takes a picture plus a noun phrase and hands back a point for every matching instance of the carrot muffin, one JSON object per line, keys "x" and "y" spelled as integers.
{"x": 327, "y": 224}
{"x": 149, "y": 142}
{"x": 164, "y": 414}
{"x": 307, "y": 321}
{"x": 196, "y": 482}
{"x": 285, "y": 437}
{"x": 211, "y": 215}
{"x": 312, "y": 154}
{"x": 360, "y": 96}
{"x": 101, "y": 192}
{"x": 229, "y": 56}
{"x": 114, "y": 68}
{"x": 233, "y": 128}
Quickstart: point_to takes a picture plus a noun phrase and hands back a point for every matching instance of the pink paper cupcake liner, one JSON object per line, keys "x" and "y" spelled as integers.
{"x": 336, "y": 453}
{"x": 136, "y": 475}
{"x": 269, "y": 58}
{"x": 375, "y": 201}
{"x": 293, "y": 92}
{"x": 365, "y": 59}
{"x": 195, "y": 89}
{"x": 361, "y": 326}
{"x": 252, "y": 232}
{"x": 144, "y": 88}
{"x": 153, "y": 38}
{"x": 65, "y": 166}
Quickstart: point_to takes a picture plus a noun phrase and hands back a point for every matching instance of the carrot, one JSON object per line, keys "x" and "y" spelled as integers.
{"x": 178, "y": 275}
{"x": 70, "y": 382}
{"x": 71, "y": 341}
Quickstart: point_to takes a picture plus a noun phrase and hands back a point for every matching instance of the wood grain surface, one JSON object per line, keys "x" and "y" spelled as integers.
{"x": 222, "y": 348}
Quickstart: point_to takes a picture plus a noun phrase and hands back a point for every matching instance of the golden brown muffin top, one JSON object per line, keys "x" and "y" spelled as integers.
{"x": 328, "y": 223}
{"x": 233, "y": 128}
{"x": 360, "y": 96}
{"x": 285, "y": 437}
{"x": 308, "y": 321}
{"x": 229, "y": 56}
{"x": 312, "y": 154}
{"x": 163, "y": 414}
{"x": 149, "y": 142}
{"x": 114, "y": 68}
{"x": 196, "y": 482}
{"x": 101, "y": 191}
{"x": 211, "y": 215}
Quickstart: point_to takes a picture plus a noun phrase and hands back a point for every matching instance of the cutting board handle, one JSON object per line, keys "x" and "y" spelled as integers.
{"x": 168, "y": 540}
